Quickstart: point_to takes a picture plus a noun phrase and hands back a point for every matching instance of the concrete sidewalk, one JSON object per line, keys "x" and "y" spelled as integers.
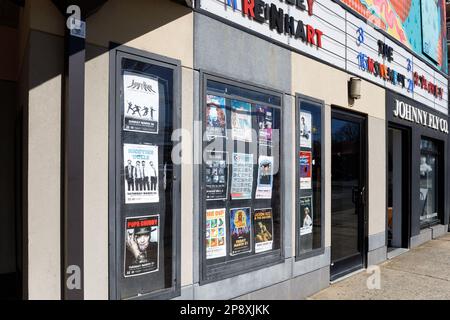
{"x": 420, "y": 274}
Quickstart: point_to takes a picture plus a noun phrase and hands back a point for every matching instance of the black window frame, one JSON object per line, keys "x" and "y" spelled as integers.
{"x": 116, "y": 53}
{"x": 299, "y": 98}
{"x": 222, "y": 271}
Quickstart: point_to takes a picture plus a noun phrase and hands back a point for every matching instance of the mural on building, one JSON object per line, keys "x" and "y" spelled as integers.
{"x": 402, "y": 19}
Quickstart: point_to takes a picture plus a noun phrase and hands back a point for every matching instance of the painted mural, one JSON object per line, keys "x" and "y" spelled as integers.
{"x": 403, "y": 20}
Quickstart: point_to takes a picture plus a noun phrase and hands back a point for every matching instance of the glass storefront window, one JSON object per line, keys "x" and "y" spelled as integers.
{"x": 145, "y": 259}
{"x": 309, "y": 177}
{"x": 429, "y": 173}
{"x": 241, "y": 179}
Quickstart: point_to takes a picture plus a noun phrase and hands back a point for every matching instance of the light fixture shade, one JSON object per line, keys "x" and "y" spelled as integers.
{"x": 355, "y": 88}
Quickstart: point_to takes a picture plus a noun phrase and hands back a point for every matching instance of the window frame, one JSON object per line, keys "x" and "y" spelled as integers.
{"x": 246, "y": 264}
{"x": 117, "y": 53}
{"x": 299, "y": 98}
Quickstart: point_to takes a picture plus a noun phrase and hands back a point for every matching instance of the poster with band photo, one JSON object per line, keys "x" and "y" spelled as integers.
{"x": 305, "y": 170}
{"x": 216, "y": 117}
{"x": 263, "y": 226}
{"x": 265, "y": 178}
{"x": 264, "y": 116}
{"x": 241, "y": 121}
{"x": 242, "y": 179}
{"x": 216, "y": 234}
{"x": 241, "y": 231}
{"x": 216, "y": 175}
{"x": 141, "y": 174}
{"x": 305, "y": 130}
{"x": 306, "y": 216}
{"x": 141, "y": 103}
{"x": 141, "y": 245}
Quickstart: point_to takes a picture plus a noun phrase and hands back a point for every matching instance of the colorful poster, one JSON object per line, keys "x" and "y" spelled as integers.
{"x": 141, "y": 103}
{"x": 418, "y": 25}
{"x": 306, "y": 130}
{"x": 265, "y": 178}
{"x": 216, "y": 119}
{"x": 305, "y": 170}
{"x": 216, "y": 234}
{"x": 141, "y": 246}
{"x": 242, "y": 180}
{"x": 240, "y": 230}
{"x": 141, "y": 173}
{"x": 216, "y": 175}
{"x": 263, "y": 225}
{"x": 241, "y": 121}
{"x": 306, "y": 216}
{"x": 265, "y": 125}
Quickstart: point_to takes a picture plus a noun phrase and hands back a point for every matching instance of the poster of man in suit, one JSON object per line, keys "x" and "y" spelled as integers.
{"x": 141, "y": 174}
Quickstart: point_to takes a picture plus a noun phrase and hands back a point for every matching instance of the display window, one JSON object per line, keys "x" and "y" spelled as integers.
{"x": 241, "y": 178}
{"x": 309, "y": 177}
{"x": 429, "y": 182}
{"x": 144, "y": 214}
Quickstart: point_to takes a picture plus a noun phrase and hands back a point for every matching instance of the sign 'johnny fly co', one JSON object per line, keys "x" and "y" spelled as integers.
{"x": 279, "y": 20}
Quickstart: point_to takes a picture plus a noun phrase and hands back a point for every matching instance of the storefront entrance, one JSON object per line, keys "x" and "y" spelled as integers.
{"x": 348, "y": 195}
{"x": 398, "y": 211}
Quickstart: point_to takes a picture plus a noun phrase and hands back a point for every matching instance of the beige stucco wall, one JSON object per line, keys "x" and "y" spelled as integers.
{"x": 147, "y": 30}
{"x": 157, "y": 26}
{"x": 145, "y": 26}
{"x": 96, "y": 174}
{"x": 331, "y": 85}
{"x": 44, "y": 166}
{"x": 187, "y": 196}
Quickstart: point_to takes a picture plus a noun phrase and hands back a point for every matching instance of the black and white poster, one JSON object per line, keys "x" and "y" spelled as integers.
{"x": 306, "y": 216}
{"x": 242, "y": 180}
{"x": 263, "y": 225}
{"x": 141, "y": 246}
{"x": 265, "y": 125}
{"x": 141, "y": 103}
{"x": 265, "y": 178}
{"x": 306, "y": 130}
{"x": 141, "y": 173}
{"x": 216, "y": 119}
{"x": 216, "y": 175}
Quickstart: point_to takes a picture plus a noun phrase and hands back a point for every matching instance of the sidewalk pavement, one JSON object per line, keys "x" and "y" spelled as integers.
{"x": 422, "y": 273}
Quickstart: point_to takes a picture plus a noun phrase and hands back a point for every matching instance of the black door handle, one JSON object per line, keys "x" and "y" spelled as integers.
{"x": 355, "y": 194}
{"x": 363, "y": 196}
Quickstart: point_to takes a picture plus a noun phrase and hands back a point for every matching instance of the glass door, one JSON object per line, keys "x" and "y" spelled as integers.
{"x": 348, "y": 193}
{"x": 398, "y": 188}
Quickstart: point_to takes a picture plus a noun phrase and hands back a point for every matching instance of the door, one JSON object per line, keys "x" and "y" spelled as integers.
{"x": 348, "y": 221}
{"x": 398, "y": 182}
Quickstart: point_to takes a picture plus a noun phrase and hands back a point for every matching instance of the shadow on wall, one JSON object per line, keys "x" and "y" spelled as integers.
{"x": 116, "y": 21}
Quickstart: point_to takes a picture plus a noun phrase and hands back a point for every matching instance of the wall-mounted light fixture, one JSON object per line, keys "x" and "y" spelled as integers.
{"x": 354, "y": 88}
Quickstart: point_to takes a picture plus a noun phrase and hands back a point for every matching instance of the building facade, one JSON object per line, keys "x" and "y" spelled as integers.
{"x": 218, "y": 149}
